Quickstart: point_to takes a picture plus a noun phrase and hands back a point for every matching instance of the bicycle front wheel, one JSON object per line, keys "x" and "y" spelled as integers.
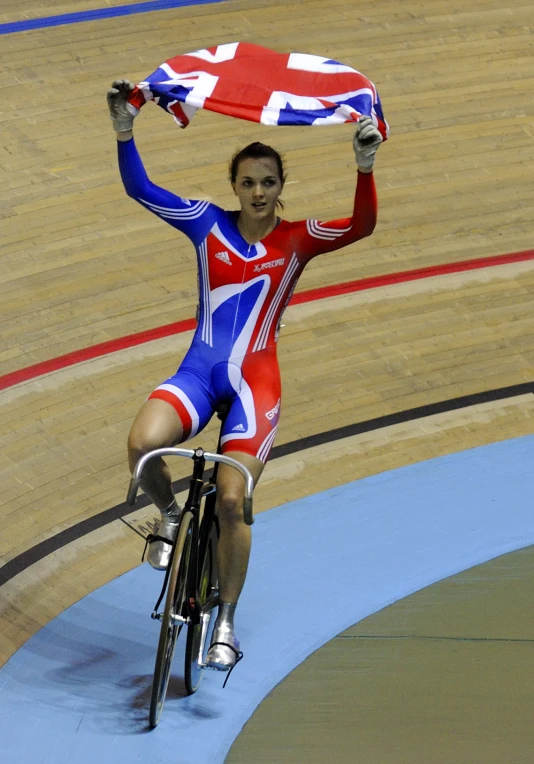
{"x": 198, "y": 635}
{"x": 170, "y": 628}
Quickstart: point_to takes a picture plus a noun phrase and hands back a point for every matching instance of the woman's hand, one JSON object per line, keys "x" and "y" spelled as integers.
{"x": 121, "y": 112}
{"x": 366, "y": 141}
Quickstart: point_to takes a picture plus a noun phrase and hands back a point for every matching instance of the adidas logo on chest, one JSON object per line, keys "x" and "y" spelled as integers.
{"x": 224, "y": 257}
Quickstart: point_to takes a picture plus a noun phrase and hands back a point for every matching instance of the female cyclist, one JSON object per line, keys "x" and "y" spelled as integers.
{"x": 249, "y": 262}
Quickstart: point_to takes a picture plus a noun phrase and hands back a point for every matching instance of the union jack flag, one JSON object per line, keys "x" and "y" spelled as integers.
{"x": 250, "y": 82}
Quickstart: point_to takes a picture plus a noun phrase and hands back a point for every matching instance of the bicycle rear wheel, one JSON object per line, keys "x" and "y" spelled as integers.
{"x": 170, "y": 629}
{"x": 199, "y": 635}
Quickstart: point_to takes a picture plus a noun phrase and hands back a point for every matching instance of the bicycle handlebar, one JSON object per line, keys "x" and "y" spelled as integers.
{"x": 190, "y": 453}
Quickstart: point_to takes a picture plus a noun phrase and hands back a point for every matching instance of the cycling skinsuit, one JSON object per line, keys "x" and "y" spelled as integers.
{"x": 243, "y": 290}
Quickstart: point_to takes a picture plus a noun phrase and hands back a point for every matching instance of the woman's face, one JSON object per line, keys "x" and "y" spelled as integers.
{"x": 258, "y": 186}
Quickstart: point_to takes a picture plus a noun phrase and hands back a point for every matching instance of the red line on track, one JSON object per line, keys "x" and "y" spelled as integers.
{"x": 311, "y": 295}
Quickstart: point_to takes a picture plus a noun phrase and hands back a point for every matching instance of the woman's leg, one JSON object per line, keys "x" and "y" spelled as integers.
{"x": 157, "y": 425}
{"x": 234, "y": 543}
{"x": 232, "y": 556}
{"x": 250, "y": 428}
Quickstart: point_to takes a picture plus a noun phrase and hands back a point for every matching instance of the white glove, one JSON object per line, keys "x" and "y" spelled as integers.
{"x": 121, "y": 112}
{"x": 366, "y": 141}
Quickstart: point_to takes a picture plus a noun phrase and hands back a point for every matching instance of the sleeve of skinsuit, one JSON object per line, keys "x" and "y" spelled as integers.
{"x": 194, "y": 218}
{"x": 311, "y": 237}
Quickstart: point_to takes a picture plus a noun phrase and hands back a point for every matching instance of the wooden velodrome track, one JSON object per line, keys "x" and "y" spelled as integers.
{"x": 83, "y": 265}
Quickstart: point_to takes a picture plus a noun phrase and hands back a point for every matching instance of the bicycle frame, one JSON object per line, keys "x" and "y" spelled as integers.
{"x": 198, "y": 488}
{"x": 193, "y": 570}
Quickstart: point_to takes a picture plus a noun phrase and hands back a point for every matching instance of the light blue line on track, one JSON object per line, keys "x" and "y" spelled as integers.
{"x": 98, "y": 13}
{"x": 79, "y": 689}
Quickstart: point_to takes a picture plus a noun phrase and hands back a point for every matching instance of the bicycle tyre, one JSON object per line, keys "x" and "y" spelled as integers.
{"x": 169, "y": 630}
{"x": 208, "y": 582}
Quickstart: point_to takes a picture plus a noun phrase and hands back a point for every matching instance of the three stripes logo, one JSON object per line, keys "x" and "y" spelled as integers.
{"x": 194, "y": 211}
{"x": 318, "y": 231}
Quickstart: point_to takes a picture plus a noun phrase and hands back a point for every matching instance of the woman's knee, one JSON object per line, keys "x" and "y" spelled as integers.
{"x": 230, "y": 507}
{"x": 140, "y": 442}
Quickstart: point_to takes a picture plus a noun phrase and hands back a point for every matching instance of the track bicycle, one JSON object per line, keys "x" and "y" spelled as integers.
{"x": 190, "y": 587}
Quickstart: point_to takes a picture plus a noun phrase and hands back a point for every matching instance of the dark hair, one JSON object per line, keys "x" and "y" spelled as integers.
{"x": 257, "y": 150}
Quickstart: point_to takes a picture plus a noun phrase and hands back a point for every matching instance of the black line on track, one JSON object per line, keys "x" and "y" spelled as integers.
{"x": 38, "y": 552}
{"x": 399, "y": 637}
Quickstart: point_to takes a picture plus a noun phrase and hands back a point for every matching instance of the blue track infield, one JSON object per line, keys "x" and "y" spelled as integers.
{"x": 78, "y": 691}
{"x": 98, "y": 13}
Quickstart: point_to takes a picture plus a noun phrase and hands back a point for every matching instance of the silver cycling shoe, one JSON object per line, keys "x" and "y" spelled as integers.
{"x": 160, "y": 542}
{"x": 224, "y": 650}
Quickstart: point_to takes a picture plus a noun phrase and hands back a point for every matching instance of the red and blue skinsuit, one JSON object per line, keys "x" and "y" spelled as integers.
{"x": 243, "y": 290}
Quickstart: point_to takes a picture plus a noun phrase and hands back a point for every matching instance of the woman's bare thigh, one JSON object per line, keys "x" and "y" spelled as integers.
{"x": 157, "y": 425}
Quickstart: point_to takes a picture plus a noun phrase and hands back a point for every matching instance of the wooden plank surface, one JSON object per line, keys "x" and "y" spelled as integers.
{"x": 82, "y": 264}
